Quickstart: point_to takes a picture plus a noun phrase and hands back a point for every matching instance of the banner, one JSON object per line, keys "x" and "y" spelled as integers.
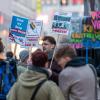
{"x": 33, "y": 32}
{"x": 85, "y": 32}
{"x": 76, "y": 30}
{"x": 61, "y": 24}
{"x": 24, "y": 31}
{"x": 18, "y": 29}
{"x": 91, "y": 30}
{"x": 76, "y": 24}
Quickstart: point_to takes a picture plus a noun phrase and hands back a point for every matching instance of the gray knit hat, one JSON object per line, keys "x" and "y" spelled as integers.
{"x": 24, "y": 54}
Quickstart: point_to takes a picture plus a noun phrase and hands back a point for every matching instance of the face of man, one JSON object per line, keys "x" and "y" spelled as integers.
{"x": 62, "y": 61}
{"x": 47, "y": 46}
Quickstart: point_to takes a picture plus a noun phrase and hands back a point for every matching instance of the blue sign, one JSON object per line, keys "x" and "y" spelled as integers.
{"x": 18, "y": 29}
{"x": 90, "y": 43}
{"x": 19, "y": 26}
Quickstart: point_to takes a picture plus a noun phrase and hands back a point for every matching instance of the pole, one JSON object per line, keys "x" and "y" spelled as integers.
{"x": 30, "y": 49}
{"x": 87, "y": 55}
{"x": 54, "y": 51}
{"x": 15, "y": 49}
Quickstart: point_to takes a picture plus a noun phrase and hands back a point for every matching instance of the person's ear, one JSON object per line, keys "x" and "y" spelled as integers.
{"x": 67, "y": 58}
{"x": 53, "y": 46}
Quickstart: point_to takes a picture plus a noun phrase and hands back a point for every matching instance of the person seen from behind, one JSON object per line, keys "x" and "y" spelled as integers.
{"x": 22, "y": 65}
{"x": 8, "y": 73}
{"x": 2, "y": 62}
{"x": 77, "y": 79}
{"x": 10, "y": 56}
{"x": 29, "y": 81}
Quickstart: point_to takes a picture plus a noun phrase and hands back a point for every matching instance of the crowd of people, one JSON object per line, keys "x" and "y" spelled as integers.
{"x": 45, "y": 76}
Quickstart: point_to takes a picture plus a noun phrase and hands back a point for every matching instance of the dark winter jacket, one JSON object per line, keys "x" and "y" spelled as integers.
{"x": 56, "y": 69}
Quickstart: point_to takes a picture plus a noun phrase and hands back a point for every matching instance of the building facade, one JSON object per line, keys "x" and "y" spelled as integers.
{"x": 8, "y": 8}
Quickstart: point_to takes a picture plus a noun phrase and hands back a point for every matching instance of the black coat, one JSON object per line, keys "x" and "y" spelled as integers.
{"x": 56, "y": 69}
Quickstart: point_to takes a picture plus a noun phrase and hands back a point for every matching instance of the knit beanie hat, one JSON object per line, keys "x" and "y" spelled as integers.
{"x": 24, "y": 55}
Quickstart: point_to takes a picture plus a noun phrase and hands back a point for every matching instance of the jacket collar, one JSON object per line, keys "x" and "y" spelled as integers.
{"x": 77, "y": 62}
{"x": 40, "y": 69}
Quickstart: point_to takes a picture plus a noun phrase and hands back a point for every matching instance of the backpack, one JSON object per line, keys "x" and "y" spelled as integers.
{"x": 8, "y": 76}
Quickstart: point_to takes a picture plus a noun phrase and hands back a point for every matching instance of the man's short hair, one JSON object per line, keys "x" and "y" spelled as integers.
{"x": 9, "y": 54}
{"x": 50, "y": 39}
{"x": 65, "y": 51}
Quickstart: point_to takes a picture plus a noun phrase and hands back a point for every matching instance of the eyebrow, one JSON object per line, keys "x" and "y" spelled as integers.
{"x": 45, "y": 43}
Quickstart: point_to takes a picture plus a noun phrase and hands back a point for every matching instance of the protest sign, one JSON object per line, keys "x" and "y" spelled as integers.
{"x": 33, "y": 32}
{"x": 90, "y": 35}
{"x": 11, "y": 37}
{"x": 96, "y": 20}
{"x": 76, "y": 31}
{"x": 18, "y": 29}
{"x": 61, "y": 24}
{"x": 91, "y": 30}
{"x": 76, "y": 24}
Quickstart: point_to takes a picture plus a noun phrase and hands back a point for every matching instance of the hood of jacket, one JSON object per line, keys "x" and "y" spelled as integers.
{"x": 22, "y": 64}
{"x": 77, "y": 62}
{"x": 32, "y": 77}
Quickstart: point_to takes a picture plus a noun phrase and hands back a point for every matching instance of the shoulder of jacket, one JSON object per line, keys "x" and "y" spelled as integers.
{"x": 20, "y": 66}
{"x": 48, "y": 84}
{"x": 68, "y": 73}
